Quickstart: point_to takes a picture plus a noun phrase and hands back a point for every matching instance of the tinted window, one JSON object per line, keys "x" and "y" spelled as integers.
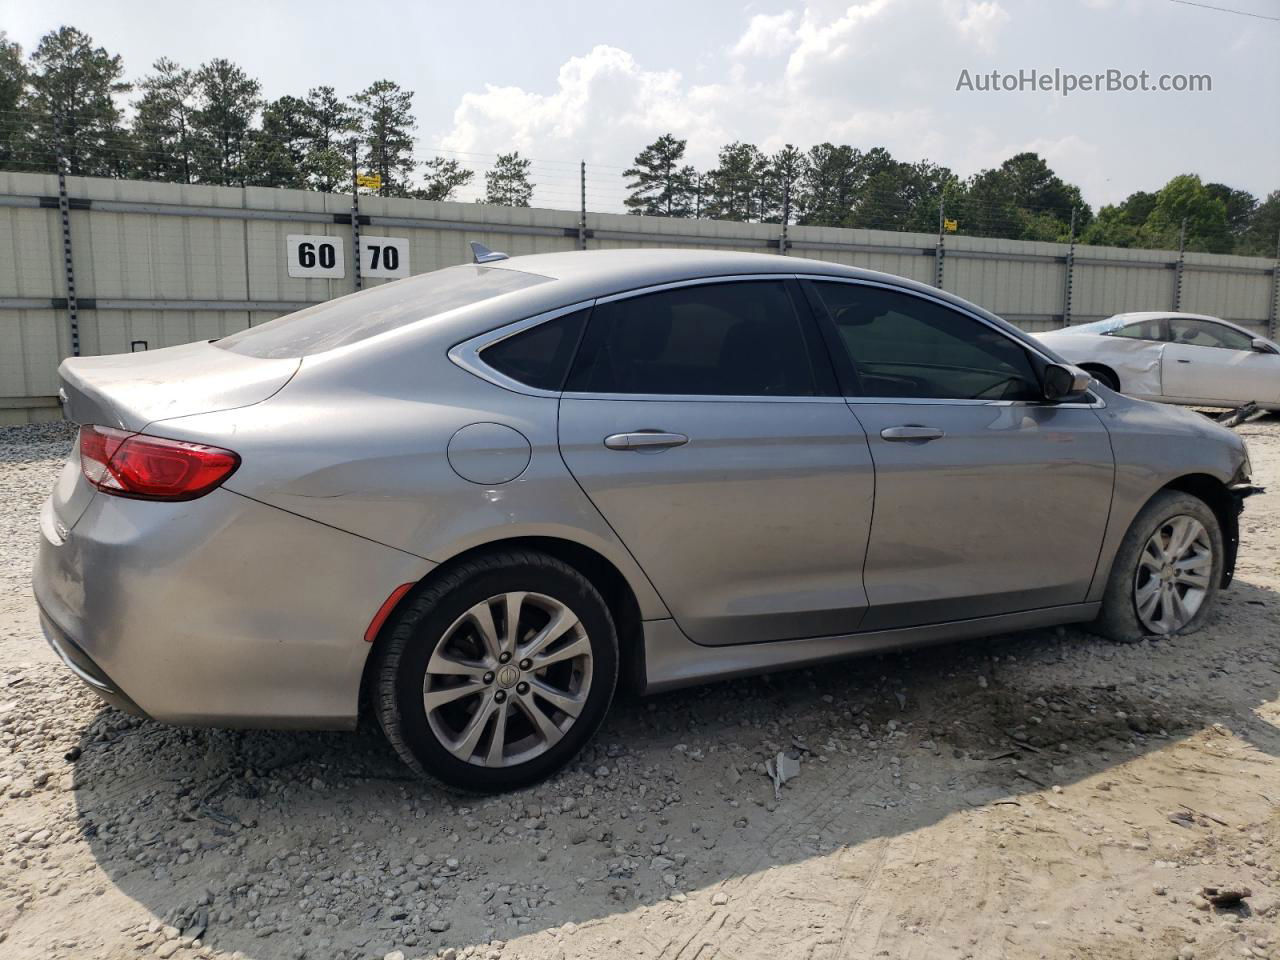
{"x": 1141, "y": 330}
{"x": 540, "y": 356}
{"x": 357, "y": 316}
{"x": 731, "y": 339}
{"x": 1204, "y": 333}
{"x": 906, "y": 346}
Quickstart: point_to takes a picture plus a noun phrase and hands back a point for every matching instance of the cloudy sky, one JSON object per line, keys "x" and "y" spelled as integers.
{"x": 596, "y": 81}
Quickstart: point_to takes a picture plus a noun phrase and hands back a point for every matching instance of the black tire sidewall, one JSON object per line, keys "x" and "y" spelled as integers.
{"x": 427, "y": 633}
{"x": 1119, "y": 617}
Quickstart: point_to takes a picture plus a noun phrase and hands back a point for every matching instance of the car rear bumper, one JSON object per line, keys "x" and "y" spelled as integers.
{"x": 220, "y": 611}
{"x": 82, "y": 665}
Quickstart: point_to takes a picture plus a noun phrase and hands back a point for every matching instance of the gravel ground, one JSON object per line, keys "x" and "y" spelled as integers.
{"x": 1040, "y": 795}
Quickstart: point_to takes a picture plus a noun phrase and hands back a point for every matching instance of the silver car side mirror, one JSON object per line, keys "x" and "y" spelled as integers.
{"x": 1262, "y": 346}
{"x": 1062, "y": 381}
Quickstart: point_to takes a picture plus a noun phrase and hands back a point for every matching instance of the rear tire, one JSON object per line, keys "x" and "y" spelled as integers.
{"x": 465, "y": 698}
{"x": 1159, "y": 584}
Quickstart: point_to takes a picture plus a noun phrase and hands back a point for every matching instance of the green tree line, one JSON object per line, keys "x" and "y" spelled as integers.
{"x": 833, "y": 185}
{"x": 210, "y": 124}
{"x": 68, "y": 101}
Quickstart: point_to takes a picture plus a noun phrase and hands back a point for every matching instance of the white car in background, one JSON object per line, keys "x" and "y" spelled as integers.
{"x": 1175, "y": 358}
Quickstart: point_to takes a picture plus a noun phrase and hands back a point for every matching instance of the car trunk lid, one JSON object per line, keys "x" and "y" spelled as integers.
{"x": 132, "y": 391}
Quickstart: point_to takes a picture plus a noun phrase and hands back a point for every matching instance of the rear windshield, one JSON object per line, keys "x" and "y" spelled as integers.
{"x": 358, "y": 316}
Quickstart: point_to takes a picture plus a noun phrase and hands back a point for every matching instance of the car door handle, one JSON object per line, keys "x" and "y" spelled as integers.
{"x": 644, "y": 440}
{"x": 911, "y": 431}
{"x": 1180, "y": 360}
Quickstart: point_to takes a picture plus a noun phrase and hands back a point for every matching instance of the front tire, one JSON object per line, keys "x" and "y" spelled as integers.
{"x": 1165, "y": 576}
{"x": 496, "y": 674}
{"x": 1104, "y": 377}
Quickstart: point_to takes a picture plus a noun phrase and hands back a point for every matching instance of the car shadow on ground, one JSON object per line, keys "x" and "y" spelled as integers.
{"x": 285, "y": 844}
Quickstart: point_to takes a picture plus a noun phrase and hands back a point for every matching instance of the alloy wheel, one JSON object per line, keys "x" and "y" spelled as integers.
{"x": 1173, "y": 574}
{"x": 508, "y": 679}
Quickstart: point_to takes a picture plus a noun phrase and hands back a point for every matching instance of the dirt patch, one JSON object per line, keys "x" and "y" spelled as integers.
{"x": 1044, "y": 794}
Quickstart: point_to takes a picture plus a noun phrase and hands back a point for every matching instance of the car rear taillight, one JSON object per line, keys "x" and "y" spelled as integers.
{"x": 151, "y": 468}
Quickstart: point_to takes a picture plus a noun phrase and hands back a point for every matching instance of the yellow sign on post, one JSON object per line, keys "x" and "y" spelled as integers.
{"x": 949, "y": 226}
{"x": 371, "y": 180}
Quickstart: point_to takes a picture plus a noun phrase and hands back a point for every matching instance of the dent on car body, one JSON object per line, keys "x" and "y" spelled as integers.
{"x": 1136, "y": 363}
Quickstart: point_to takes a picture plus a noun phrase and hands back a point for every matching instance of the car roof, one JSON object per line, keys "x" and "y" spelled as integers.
{"x": 1139, "y": 315}
{"x": 630, "y": 268}
{"x": 598, "y": 273}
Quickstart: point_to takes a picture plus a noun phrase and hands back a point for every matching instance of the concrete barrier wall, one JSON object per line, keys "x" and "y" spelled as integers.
{"x": 161, "y": 264}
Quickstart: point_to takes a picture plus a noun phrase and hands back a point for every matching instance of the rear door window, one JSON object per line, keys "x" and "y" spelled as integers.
{"x": 740, "y": 338}
{"x": 358, "y": 316}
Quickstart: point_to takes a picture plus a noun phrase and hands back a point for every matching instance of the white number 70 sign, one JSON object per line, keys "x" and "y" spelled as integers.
{"x": 384, "y": 256}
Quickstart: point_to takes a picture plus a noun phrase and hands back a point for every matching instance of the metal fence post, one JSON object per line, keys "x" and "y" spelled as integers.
{"x": 1071, "y": 262}
{"x": 1177, "y": 269}
{"x": 939, "y": 251}
{"x": 783, "y": 242}
{"x": 64, "y": 214}
{"x": 582, "y": 212}
{"x": 1273, "y": 317}
{"x": 355, "y": 213}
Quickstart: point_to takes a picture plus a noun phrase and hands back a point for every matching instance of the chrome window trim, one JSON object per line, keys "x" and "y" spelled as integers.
{"x": 467, "y": 353}
{"x": 1096, "y": 402}
{"x": 694, "y": 282}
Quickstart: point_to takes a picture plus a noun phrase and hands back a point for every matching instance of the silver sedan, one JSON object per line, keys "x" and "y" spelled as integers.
{"x": 474, "y": 501}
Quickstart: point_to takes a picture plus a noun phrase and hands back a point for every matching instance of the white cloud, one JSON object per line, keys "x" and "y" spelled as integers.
{"x": 978, "y": 22}
{"x": 767, "y": 35}
{"x": 868, "y": 73}
{"x": 602, "y": 92}
{"x": 825, "y": 41}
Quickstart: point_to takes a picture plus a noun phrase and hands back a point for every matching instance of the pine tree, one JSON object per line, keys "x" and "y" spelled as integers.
{"x": 827, "y": 186}
{"x": 72, "y": 85}
{"x": 735, "y": 184}
{"x": 661, "y": 186}
{"x": 443, "y": 177}
{"x": 278, "y": 150}
{"x": 162, "y": 126}
{"x": 386, "y": 135}
{"x": 507, "y": 184}
{"x": 781, "y": 179}
{"x": 331, "y": 128}
{"x": 903, "y": 196}
{"x": 228, "y": 99}
{"x": 13, "y": 87}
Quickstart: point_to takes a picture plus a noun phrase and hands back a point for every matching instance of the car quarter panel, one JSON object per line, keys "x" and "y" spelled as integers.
{"x": 1136, "y": 362}
{"x": 366, "y": 449}
{"x": 220, "y": 610}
